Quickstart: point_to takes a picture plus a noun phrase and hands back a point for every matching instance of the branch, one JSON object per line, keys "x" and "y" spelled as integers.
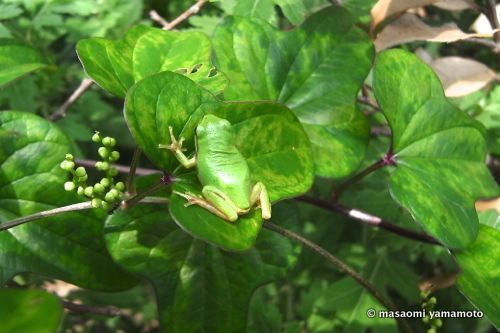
{"x": 82, "y": 88}
{"x": 369, "y": 219}
{"x": 491, "y": 14}
{"x": 132, "y": 171}
{"x": 103, "y": 311}
{"x": 343, "y": 267}
{"x": 119, "y": 167}
{"x": 179, "y": 19}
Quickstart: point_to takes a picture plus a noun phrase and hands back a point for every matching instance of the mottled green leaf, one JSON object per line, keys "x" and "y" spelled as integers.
{"x": 199, "y": 287}
{"x": 17, "y": 59}
{"x": 32, "y": 311}
{"x": 267, "y": 134}
{"x": 68, "y": 247}
{"x": 316, "y": 70}
{"x": 480, "y": 273}
{"x": 439, "y": 150}
{"x": 117, "y": 65}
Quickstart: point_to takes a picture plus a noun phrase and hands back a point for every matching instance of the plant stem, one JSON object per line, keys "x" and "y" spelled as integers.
{"x": 179, "y": 19}
{"x": 343, "y": 267}
{"x": 368, "y": 219}
{"x": 83, "y": 308}
{"x": 121, "y": 168}
{"x": 46, "y": 213}
{"x": 82, "y": 88}
{"x": 165, "y": 180}
{"x": 132, "y": 171}
{"x": 356, "y": 178}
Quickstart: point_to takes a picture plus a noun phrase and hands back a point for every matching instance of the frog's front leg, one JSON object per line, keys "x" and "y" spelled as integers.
{"x": 176, "y": 147}
{"x": 214, "y": 201}
{"x": 259, "y": 195}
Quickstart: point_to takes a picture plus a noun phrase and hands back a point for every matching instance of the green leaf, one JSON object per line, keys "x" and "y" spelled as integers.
{"x": 33, "y": 311}
{"x": 199, "y": 287}
{"x": 68, "y": 246}
{"x": 267, "y": 134}
{"x": 117, "y": 65}
{"x": 17, "y": 59}
{"x": 108, "y": 62}
{"x": 316, "y": 70}
{"x": 479, "y": 280}
{"x": 437, "y": 148}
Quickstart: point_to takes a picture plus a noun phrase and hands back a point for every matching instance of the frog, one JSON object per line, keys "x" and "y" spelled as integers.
{"x": 222, "y": 170}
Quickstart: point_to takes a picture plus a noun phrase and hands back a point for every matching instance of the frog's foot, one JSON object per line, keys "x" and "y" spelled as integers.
{"x": 175, "y": 146}
{"x": 193, "y": 199}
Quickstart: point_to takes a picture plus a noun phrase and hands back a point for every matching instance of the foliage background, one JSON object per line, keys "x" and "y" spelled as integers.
{"x": 313, "y": 296}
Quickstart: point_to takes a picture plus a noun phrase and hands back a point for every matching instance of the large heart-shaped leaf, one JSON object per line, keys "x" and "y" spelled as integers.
{"x": 316, "y": 70}
{"x": 17, "y": 59}
{"x": 33, "y": 311}
{"x": 68, "y": 247}
{"x": 267, "y": 134}
{"x": 439, "y": 150}
{"x": 117, "y": 65}
{"x": 199, "y": 287}
{"x": 480, "y": 273}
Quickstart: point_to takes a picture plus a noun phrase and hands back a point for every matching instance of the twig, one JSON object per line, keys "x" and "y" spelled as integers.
{"x": 110, "y": 311}
{"x": 46, "y": 213}
{"x": 369, "y": 219}
{"x": 343, "y": 267}
{"x": 132, "y": 171}
{"x": 153, "y": 15}
{"x": 119, "y": 167}
{"x": 368, "y": 102}
{"x": 380, "y": 131}
{"x": 69, "y": 208}
{"x": 61, "y": 112}
{"x": 164, "y": 181}
{"x": 491, "y": 14}
{"x": 182, "y": 17}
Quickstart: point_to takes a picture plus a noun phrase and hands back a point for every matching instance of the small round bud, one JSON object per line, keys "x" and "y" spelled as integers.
{"x": 89, "y": 190}
{"x": 425, "y": 320}
{"x": 80, "y": 172}
{"x": 83, "y": 179}
{"x": 112, "y": 142}
{"x": 98, "y": 165}
{"x": 432, "y": 300}
{"x": 110, "y": 197}
{"x": 80, "y": 190}
{"x": 96, "y": 137}
{"x": 69, "y": 186}
{"x": 107, "y": 141}
{"x": 96, "y": 203}
{"x": 115, "y": 156}
{"x": 120, "y": 186}
{"x": 103, "y": 152}
{"x": 113, "y": 172}
{"x": 105, "y": 182}
{"x": 104, "y": 205}
{"x": 104, "y": 166}
{"x": 67, "y": 165}
{"x": 99, "y": 188}
{"x": 69, "y": 157}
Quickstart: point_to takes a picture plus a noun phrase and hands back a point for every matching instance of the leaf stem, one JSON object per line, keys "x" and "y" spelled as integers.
{"x": 369, "y": 219}
{"x": 388, "y": 159}
{"x": 164, "y": 181}
{"x": 132, "y": 171}
{"x": 343, "y": 267}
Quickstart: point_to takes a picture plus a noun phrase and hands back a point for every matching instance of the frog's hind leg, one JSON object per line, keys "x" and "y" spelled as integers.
{"x": 193, "y": 199}
{"x": 221, "y": 202}
{"x": 259, "y": 195}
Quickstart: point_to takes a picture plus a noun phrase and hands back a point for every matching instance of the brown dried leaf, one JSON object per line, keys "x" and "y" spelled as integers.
{"x": 484, "y": 205}
{"x": 386, "y": 8}
{"x": 409, "y": 28}
{"x": 461, "y": 76}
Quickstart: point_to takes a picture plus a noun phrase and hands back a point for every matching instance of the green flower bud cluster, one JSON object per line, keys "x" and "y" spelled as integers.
{"x": 428, "y": 305}
{"x": 106, "y": 192}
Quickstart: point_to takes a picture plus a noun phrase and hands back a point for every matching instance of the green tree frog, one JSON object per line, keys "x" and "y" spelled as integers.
{"x": 227, "y": 190}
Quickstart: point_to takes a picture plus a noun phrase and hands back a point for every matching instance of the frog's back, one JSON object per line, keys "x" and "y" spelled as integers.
{"x": 220, "y": 163}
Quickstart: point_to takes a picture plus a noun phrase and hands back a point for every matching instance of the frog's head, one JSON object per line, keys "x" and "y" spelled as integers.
{"x": 211, "y": 124}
